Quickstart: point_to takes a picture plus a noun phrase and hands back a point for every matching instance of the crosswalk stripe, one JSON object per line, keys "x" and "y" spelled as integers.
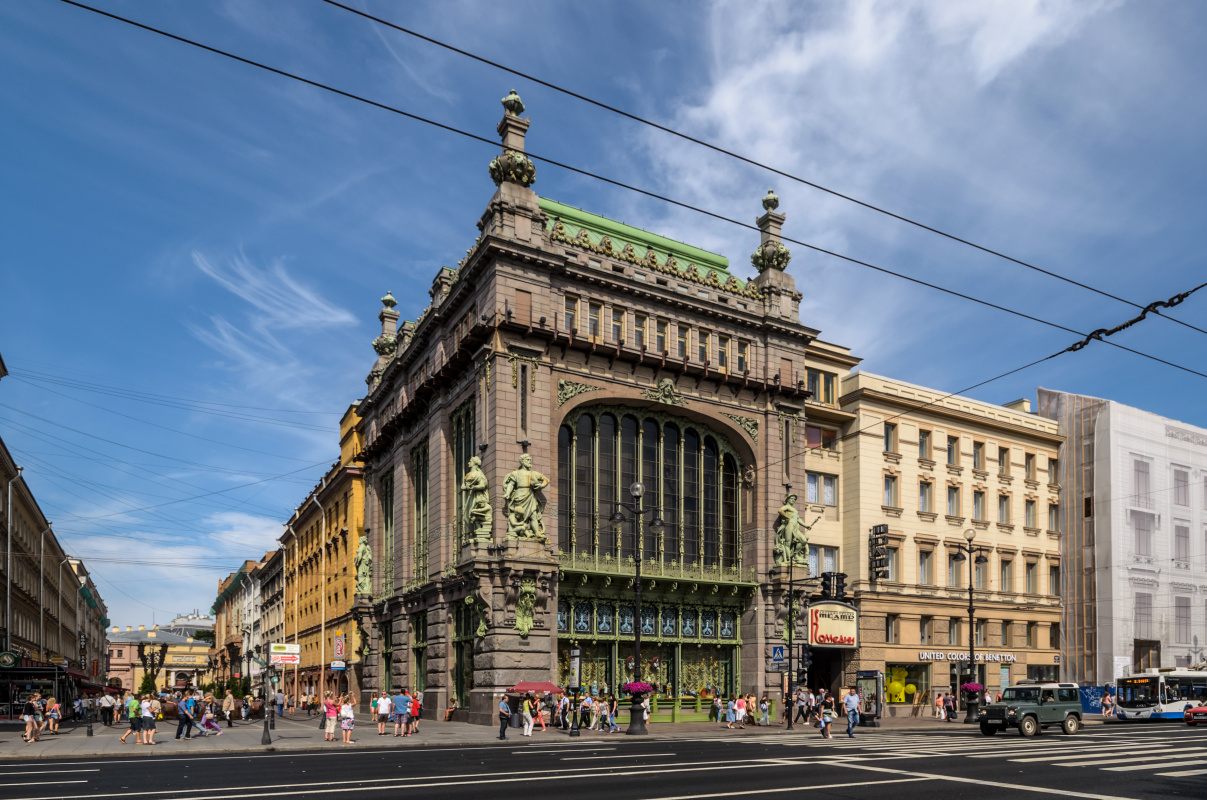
{"x": 1183, "y": 773}
{"x": 1098, "y": 762}
{"x": 1155, "y": 752}
{"x": 1133, "y": 767}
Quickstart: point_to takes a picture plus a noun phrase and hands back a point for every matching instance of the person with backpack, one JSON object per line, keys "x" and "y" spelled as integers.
{"x": 185, "y": 711}
{"x": 949, "y": 707}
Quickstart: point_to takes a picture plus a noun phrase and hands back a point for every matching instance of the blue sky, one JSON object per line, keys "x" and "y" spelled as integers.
{"x": 176, "y": 225}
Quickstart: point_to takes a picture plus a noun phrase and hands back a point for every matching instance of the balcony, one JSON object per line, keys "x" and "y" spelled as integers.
{"x": 627, "y": 565}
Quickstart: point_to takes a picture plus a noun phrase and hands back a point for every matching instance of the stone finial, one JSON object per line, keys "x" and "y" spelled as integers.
{"x": 771, "y": 202}
{"x": 512, "y": 104}
{"x": 388, "y": 301}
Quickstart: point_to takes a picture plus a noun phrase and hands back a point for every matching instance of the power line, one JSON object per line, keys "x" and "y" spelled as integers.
{"x": 745, "y": 159}
{"x": 601, "y": 178}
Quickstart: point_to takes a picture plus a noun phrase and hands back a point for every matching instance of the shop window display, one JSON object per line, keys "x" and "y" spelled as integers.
{"x": 907, "y": 683}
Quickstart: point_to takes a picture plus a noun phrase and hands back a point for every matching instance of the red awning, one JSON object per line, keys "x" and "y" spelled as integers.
{"x": 536, "y": 687}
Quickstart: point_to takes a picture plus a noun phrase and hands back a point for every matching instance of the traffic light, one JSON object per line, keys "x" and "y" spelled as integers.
{"x": 840, "y": 585}
{"x": 806, "y": 657}
{"x": 826, "y": 586}
{"x": 802, "y": 676}
{"x": 878, "y": 553}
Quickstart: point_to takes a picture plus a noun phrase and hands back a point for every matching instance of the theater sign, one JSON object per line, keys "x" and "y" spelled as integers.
{"x": 833, "y": 625}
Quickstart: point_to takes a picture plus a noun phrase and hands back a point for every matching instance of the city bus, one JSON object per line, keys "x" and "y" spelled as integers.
{"x": 1159, "y": 694}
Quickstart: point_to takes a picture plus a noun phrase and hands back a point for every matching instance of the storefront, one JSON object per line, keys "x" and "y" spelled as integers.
{"x": 51, "y": 680}
{"x": 833, "y": 636}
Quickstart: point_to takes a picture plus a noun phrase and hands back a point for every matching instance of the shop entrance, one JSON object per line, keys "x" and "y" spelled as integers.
{"x": 827, "y": 670}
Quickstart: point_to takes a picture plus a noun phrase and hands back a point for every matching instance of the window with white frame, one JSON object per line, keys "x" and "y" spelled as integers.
{"x": 926, "y": 567}
{"x": 891, "y": 633}
{"x": 821, "y": 489}
{"x": 890, "y": 491}
{"x": 954, "y": 573}
{"x": 953, "y": 450}
{"x": 953, "y": 501}
{"x": 1006, "y": 576}
{"x": 1032, "y": 577}
{"x": 1181, "y": 487}
{"x": 1142, "y": 524}
{"x": 925, "y": 497}
{"x": 822, "y": 559}
{"x": 1003, "y": 509}
{"x": 1142, "y": 617}
{"x": 1181, "y": 542}
{"x": 890, "y": 437}
{"x": 1029, "y": 514}
{"x": 924, "y": 444}
{"x": 978, "y": 506}
{"x": 1053, "y": 517}
{"x": 894, "y": 565}
{"x": 1054, "y": 580}
{"x": 1181, "y": 620}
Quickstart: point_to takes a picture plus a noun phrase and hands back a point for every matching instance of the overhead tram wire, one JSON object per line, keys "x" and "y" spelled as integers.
{"x": 601, "y": 178}
{"x": 1098, "y": 335}
{"x": 744, "y": 159}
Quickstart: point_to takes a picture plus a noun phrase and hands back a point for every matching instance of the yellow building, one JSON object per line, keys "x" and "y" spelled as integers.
{"x": 176, "y": 661}
{"x": 319, "y": 547}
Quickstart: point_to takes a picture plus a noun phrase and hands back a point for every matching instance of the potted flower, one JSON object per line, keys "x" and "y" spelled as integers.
{"x": 638, "y": 690}
{"x": 972, "y": 696}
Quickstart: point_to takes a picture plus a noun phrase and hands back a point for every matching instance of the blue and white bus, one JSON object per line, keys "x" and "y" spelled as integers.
{"x": 1159, "y": 694}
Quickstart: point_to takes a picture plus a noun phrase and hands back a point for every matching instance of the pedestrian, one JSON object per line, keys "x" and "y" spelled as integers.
{"x": 146, "y": 721}
{"x": 802, "y": 706}
{"x": 850, "y": 704}
{"x": 584, "y": 711}
{"x": 949, "y": 707}
{"x": 209, "y": 722}
{"x": 133, "y": 711}
{"x": 939, "y": 712}
{"x": 526, "y": 712}
{"x": 106, "y": 709}
{"x": 28, "y": 714}
{"x": 228, "y": 708}
{"x": 826, "y": 705}
{"x": 504, "y": 717}
{"x": 1108, "y": 704}
{"x": 538, "y": 709}
{"x": 330, "y": 712}
{"x": 730, "y": 712}
{"x": 347, "y": 718}
{"x": 279, "y": 697}
{"x": 416, "y": 711}
{"x": 718, "y": 710}
{"x": 400, "y": 705}
{"x": 245, "y": 708}
{"x": 765, "y": 712}
{"x": 185, "y": 709}
{"x": 290, "y": 705}
{"x": 156, "y": 715}
{"x": 612, "y": 709}
{"x": 53, "y": 714}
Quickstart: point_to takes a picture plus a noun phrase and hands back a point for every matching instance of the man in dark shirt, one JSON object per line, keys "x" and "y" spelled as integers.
{"x": 185, "y": 710}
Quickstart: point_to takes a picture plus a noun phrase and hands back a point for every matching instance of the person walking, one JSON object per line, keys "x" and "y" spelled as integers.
{"x": 279, "y": 697}
{"x": 133, "y": 712}
{"x": 504, "y": 717}
{"x": 290, "y": 705}
{"x": 949, "y": 707}
{"x": 416, "y": 711}
{"x": 28, "y": 715}
{"x": 739, "y": 712}
{"x": 228, "y": 708}
{"x": 939, "y": 708}
{"x": 147, "y": 720}
{"x": 330, "y": 712}
{"x": 764, "y": 713}
{"x": 827, "y": 714}
{"x": 106, "y": 709}
{"x": 209, "y": 721}
{"x": 612, "y": 709}
{"x": 185, "y": 710}
{"x": 400, "y": 706}
{"x": 347, "y": 718}
{"x": 802, "y": 706}
{"x": 526, "y": 712}
{"x": 53, "y": 714}
{"x": 538, "y": 709}
{"x": 730, "y": 712}
{"x": 245, "y": 708}
{"x": 850, "y": 704}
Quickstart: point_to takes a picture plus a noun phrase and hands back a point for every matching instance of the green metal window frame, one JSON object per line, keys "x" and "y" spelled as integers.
{"x": 462, "y": 430}
{"x": 386, "y": 631}
{"x": 419, "y": 487}
{"x": 464, "y": 627}
{"x": 385, "y": 494}
{"x": 601, "y": 449}
{"x": 419, "y": 651}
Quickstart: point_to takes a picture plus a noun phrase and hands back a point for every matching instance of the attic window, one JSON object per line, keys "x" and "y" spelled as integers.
{"x": 617, "y": 268}
{"x": 702, "y": 293}
{"x": 595, "y": 263}
{"x": 639, "y": 276}
{"x": 681, "y": 288}
{"x": 742, "y": 306}
{"x": 662, "y": 281}
{"x": 723, "y": 299}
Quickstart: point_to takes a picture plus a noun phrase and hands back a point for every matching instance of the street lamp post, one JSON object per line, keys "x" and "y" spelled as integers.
{"x": 979, "y": 558}
{"x": 637, "y": 712}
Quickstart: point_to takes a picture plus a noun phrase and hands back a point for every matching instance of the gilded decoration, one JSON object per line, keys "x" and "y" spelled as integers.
{"x": 524, "y": 606}
{"x": 771, "y": 255}
{"x": 665, "y": 393}
{"x": 791, "y": 536}
{"x": 386, "y": 345}
{"x": 512, "y": 166}
{"x": 515, "y": 371}
{"x": 566, "y": 390}
{"x": 751, "y": 426}
{"x": 558, "y": 232}
{"x": 525, "y": 501}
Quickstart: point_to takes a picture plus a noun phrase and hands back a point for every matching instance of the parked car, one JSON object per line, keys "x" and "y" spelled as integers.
{"x": 1030, "y": 706}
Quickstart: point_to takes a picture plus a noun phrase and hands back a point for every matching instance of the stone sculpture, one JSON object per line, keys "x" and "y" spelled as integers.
{"x": 364, "y": 567}
{"x": 525, "y": 502}
{"x": 475, "y": 502}
{"x": 791, "y": 536}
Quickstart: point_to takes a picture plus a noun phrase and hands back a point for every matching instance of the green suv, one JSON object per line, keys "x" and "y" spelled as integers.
{"x": 1032, "y": 705}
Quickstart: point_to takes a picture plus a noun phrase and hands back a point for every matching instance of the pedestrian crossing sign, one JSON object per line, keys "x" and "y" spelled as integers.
{"x": 777, "y": 653}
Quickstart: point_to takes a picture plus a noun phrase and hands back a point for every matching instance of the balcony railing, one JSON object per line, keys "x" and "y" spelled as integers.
{"x": 627, "y": 565}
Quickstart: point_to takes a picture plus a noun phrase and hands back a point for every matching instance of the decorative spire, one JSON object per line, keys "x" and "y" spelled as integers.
{"x": 771, "y": 253}
{"x": 388, "y": 301}
{"x": 771, "y": 202}
{"x": 513, "y": 104}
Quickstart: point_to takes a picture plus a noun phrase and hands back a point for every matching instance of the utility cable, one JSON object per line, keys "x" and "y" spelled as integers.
{"x": 601, "y": 178}
{"x": 738, "y": 156}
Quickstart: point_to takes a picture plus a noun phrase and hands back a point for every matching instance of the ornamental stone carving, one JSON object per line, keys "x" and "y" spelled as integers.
{"x": 771, "y": 202}
{"x": 569, "y": 389}
{"x": 524, "y": 605}
{"x": 791, "y": 536}
{"x": 513, "y": 166}
{"x": 512, "y": 104}
{"x": 475, "y": 502}
{"x": 386, "y": 345}
{"x": 771, "y": 255}
{"x": 364, "y": 567}
{"x": 665, "y": 393}
{"x": 525, "y": 502}
{"x": 751, "y": 426}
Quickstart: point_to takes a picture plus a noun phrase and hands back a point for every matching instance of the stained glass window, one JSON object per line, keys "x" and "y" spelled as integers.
{"x": 626, "y": 620}
{"x": 563, "y": 616}
{"x": 689, "y": 622}
{"x": 582, "y": 618}
{"x": 729, "y": 625}
{"x": 668, "y": 622}
{"x": 708, "y": 624}
{"x": 603, "y": 617}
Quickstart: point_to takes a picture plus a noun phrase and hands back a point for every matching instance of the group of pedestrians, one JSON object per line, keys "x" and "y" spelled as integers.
{"x": 820, "y": 709}
{"x": 40, "y": 714}
{"x": 401, "y": 708}
{"x": 740, "y": 709}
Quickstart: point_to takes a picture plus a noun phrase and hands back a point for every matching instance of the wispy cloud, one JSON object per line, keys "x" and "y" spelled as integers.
{"x": 284, "y": 303}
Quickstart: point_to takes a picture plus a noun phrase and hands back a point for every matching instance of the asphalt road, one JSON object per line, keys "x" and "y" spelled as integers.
{"x": 1142, "y": 761}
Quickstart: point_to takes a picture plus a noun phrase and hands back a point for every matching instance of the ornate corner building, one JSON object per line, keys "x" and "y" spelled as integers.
{"x": 567, "y": 357}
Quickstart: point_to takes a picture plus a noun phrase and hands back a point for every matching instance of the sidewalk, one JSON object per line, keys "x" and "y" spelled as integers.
{"x": 302, "y": 733}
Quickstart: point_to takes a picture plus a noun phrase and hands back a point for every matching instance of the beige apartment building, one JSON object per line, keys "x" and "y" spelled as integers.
{"x": 932, "y": 468}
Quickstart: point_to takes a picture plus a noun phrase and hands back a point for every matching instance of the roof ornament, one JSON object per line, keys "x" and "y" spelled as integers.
{"x": 771, "y": 202}
{"x": 388, "y": 301}
{"x": 513, "y": 104}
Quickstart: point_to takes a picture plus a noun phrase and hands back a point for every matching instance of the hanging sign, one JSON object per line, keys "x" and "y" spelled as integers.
{"x": 833, "y": 624}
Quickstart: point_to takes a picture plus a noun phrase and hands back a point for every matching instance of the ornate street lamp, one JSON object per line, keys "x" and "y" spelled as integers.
{"x": 970, "y": 706}
{"x": 637, "y": 712}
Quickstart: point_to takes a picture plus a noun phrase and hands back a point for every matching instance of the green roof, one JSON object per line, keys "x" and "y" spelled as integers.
{"x": 597, "y": 228}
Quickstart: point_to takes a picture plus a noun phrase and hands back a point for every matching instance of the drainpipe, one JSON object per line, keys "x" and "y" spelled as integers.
{"x": 323, "y": 599}
{"x": 8, "y": 569}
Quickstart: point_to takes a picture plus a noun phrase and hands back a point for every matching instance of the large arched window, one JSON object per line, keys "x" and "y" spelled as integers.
{"x": 690, "y": 474}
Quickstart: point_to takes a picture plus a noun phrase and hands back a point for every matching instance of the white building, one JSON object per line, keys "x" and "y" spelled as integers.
{"x": 1134, "y": 491}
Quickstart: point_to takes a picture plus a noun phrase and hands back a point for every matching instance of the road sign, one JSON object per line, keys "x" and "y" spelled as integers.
{"x": 285, "y": 658}
{"x": 777, "y": 653}
{"x": 337, "y": 665}
{"x": 295, "y": 649}
{"x": 338, "y": 645}
{"x": 777, "y": 666}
